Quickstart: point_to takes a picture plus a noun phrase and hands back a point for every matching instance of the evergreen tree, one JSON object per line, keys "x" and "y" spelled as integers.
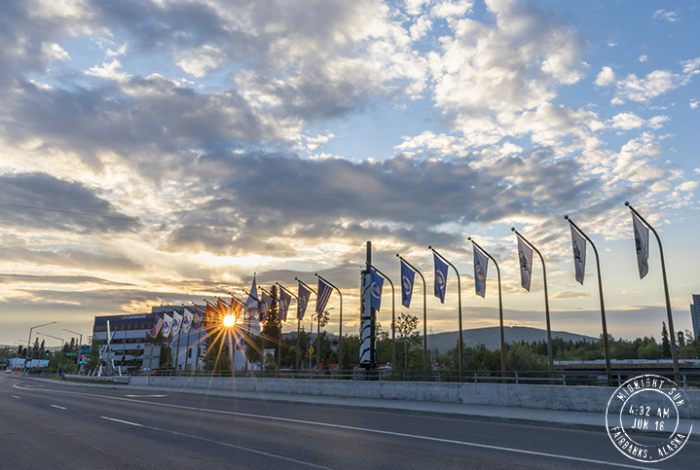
{"x": 665, "y": 343}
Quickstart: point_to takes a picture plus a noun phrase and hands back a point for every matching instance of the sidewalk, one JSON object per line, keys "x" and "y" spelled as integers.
{"x": 532, "y": 416}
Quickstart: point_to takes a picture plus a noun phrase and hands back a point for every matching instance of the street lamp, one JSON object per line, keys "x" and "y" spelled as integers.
{"x": 54, "y": 337}
{"x": 77, "y": 354}
{"x": 29, "y": 340}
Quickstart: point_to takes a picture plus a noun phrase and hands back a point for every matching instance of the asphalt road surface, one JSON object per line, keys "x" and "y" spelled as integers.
{"x": 56, "y": 426}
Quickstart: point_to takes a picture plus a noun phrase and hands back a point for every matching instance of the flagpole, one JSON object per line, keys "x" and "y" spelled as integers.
{"x": 340, "y": 336}
{"x": 318, "y": 327}
{"x": 246, "y": 332}
{"x": 546, "y": 305}
{"x": 177, "y": 354}
{"x": 298, "y": 321}
{"x": 199, "y": 338}
{"x": 425, "y": 316}
{"x": 669, "y": 313}
{"x": 393, "y": 319}
{"x": 602, "y": 304}
{"x": 500, "y": 308}
{"x": 459, "y": 303}
{"x": 187, "y": 347}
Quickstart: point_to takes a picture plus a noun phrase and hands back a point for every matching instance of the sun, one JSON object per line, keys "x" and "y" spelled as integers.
{"x": 229, "y": 320}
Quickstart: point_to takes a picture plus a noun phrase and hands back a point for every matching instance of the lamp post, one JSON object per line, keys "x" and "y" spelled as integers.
{"x": 425, "y": 315}
{"x": 80, "y": 343}
{"x": 29, "y": 340}
{"x": 459, "y": 303}
{"x": 54, "y": 337}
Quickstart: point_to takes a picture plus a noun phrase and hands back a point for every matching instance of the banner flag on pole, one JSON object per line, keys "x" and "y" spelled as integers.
{"x": 481, "y": 265}
{"x": 177, "y": 322}
{"x": 209, "y": 316}
{"x": 198, "y": 317}
{"x": 253, "y": 298}
{"x": 187, "y": 321}
{"x": 641, "y": 240}
{"x": 579, "y": 246}
{"x": 407, "y": 276}
{"x": 222, "y": 307}
{"x": 375, "y": 288}
{"x": 167, "y": 325}
{"x": 156, "y": 327}
{"x": 525, "y": 256}
{"x": 440, "y": 278}
{"x": 265, "y": 304}
{"x": 285, "y": 299}
{"x": 304, "y": 296}
{"x": 236, "y": 307}
{"x": 324, "y": 293}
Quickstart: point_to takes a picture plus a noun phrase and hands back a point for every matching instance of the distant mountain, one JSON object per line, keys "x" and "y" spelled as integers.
{"x": 490, "y": 337}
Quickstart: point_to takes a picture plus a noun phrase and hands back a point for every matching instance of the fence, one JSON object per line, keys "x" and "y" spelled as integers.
{"x": 688, "y": 378}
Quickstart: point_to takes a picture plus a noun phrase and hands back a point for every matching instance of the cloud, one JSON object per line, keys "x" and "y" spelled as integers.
{"x": 694, "y": 103}
{"x": 199, "y": 61}
{"x": 108, "y": 71}
{"x": 665, "y": 15}
{"x": 655, "y": 84}
{"x": 605, "y": 77}
{"x": 40, "y": 202}
{"x": 688, "y": 186}
{"x": 627, "y": 121}
{"x": 643, "y": 58}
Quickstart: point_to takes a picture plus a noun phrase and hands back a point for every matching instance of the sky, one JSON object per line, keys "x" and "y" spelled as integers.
{"x": 162, "y": 152}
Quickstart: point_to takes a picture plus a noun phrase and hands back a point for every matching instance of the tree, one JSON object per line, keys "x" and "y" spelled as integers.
{"x": 409, "y": 343}
{"x": 93, "y": 357}
{"x": 665, "y": 343}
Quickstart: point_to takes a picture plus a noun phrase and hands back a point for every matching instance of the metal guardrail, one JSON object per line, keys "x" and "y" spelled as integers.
{"x": 688, "y": 379}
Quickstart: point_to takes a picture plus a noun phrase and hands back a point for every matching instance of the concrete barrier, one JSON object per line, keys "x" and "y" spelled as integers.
{"x": 546, "y": 397}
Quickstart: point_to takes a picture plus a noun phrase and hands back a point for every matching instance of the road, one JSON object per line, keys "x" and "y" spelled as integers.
{"x": 56, "y": 426}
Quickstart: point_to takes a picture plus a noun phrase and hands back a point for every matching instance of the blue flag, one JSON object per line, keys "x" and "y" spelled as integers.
{"x": 440, "y": 278}
{"x": 376, "y": 288}
{"x": 304, "y": 295}
{"x": 407, "y": 275}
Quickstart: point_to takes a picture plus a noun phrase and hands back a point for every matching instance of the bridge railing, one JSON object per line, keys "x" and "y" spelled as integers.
{"x": 688, "y": 378}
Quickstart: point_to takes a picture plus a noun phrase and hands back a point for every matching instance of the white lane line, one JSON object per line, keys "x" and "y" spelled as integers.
{"x": 14, "y": 396}
{"x": 122, "y": 421}
{"x": 59, "y": 407}
{"x": 144, "y": 396}
{"x": 351, "y": 428}
{"x": 226, "y": 444}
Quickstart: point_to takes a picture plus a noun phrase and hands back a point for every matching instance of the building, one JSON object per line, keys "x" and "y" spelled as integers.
{"x": 129, "y": 338}
{"x": 131, "y": 348}
{"x": 695, "y": 315}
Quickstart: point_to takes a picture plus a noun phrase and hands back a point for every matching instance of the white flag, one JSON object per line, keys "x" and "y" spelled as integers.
{"x": 525, "y": 255}
{"x": 187, "y": 320}
{"x": 177, "y": 322}
{"x": 481, "y": 264}
{"x": 641, "y": 240}
{"x": 167, "y": 325}
{"x": 579, "y": 245}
